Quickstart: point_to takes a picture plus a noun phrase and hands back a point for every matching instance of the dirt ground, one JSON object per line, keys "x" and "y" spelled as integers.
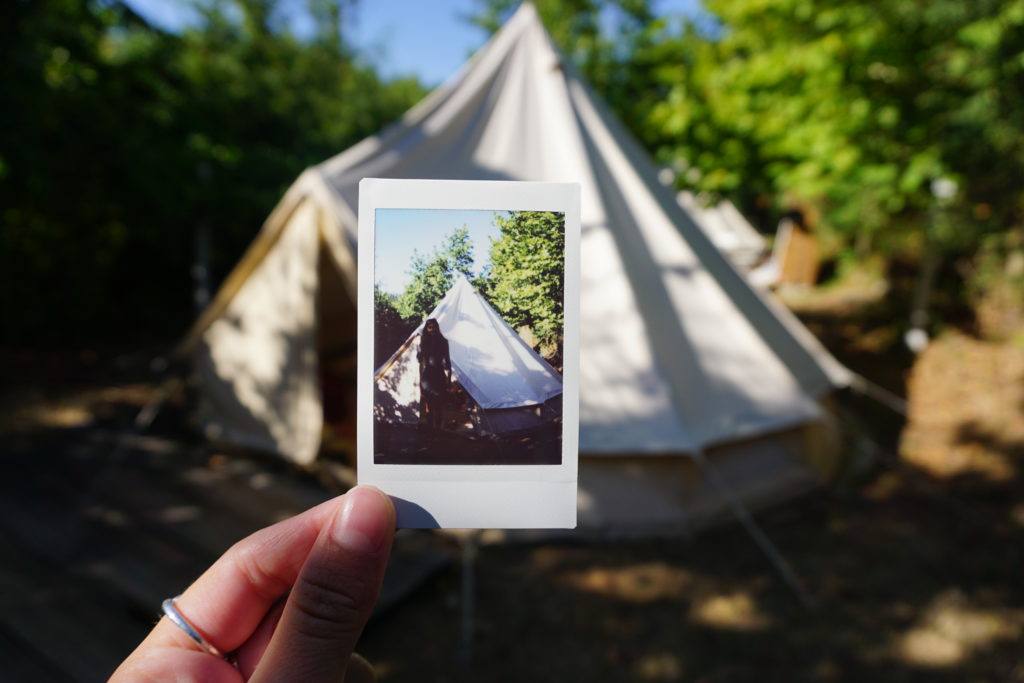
{"x": 916, "y": 565}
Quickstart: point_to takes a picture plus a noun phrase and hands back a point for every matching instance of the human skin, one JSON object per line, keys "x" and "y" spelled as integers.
{"x": 289, "y": 601}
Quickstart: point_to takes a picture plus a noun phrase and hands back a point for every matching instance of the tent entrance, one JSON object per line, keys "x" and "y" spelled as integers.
{"x": 336, "y": 342}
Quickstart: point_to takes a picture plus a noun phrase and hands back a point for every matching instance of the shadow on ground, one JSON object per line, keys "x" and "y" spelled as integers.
{"x": 915, "y": 580}
{"x": 917, "y": 576}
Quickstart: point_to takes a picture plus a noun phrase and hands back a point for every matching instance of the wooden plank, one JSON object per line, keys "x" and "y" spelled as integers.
{"x": 134, "y": 561}
{"x": 416, "y": 557}
{"x": 100, "y": 533}
{"x": 22, "y": 663}
{"x": 263, "y": 489}
{"x": 62, "y": 629}
{"x": 164, "y": 506}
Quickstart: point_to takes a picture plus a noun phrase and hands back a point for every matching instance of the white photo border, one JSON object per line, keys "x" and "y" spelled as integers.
{"x": 472, "y": 496}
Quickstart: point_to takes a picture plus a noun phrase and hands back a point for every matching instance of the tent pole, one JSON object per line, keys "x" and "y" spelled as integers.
{"x": 469, "y": 550}
{"x": 152, "y": 408}
{"x": 960, "y": 508}
{"x": 742, "y": 514}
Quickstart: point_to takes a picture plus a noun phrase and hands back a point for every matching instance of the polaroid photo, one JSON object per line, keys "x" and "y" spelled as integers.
{"x": 468, "y": 386}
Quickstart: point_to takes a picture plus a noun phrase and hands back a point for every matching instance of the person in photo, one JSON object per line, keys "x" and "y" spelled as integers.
{"x": 435, "y": 374}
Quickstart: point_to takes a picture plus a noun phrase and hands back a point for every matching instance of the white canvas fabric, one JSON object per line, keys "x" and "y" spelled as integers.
{"x": 257, "y": 360}
{"x": 491, "y": 362}
{"x": 678, "y": 351}
{"x": 726, "y": 227}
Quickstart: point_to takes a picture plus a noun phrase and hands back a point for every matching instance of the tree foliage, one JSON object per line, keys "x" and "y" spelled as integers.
{"x": 850, "y": 108}
{"x": 117, "y": 140}
{"x": 432, "y": 275}
{"x": 526, "y": 280}
{"x": 390, "y": 328}
{"x": 854, "y": 107}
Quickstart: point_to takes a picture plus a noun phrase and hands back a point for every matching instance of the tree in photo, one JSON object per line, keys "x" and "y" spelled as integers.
{"x": 392, "y": 329}
{"x": 434, "y": 274}
{"x": 527, "y": 273}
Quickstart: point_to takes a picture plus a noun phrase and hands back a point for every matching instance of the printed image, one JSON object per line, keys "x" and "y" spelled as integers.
{"x": 468, "y": 333}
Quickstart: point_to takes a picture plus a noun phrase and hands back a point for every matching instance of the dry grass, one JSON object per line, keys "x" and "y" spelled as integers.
{"x": 967, "y": 409}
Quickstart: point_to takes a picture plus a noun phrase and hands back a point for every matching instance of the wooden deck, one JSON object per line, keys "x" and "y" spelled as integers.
{"x": 98, "y": 526}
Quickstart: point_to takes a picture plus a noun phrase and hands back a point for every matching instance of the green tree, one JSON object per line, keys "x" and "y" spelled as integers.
{"x": 432, "y": 275}
{"x": 526, "y": 280}
{"x": 849, "y": 108}
{"x": 118, "y": 139}
{"x": 854, "y": 107}
{"x": 390, "y": 328}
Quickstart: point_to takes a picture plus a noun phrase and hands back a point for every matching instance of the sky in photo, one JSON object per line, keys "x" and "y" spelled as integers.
{"x": 429, "y": 40}
{"x": 399, "y": 233}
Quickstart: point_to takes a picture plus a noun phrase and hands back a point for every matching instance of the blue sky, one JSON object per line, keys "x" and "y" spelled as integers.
{"x": 401, "y": 232}
{"x": 425, "y": 38}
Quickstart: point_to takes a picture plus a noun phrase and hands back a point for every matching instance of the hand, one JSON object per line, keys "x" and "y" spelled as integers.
{"x": 289, "y": 601}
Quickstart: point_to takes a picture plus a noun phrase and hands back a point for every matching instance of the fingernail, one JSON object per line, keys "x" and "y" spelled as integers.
{"x": 365, "y": 520}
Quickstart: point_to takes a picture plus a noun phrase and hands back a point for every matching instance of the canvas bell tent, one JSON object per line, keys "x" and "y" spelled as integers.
{"x": 679, "y": 354}
{"x": 509, "y": 383}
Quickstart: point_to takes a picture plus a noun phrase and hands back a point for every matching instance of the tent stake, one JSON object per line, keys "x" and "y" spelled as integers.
{"x": 742, "y": 514}
{"x": 865, "y": 387}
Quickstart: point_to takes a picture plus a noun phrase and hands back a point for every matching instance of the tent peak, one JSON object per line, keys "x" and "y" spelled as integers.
{"x": 526, "y": 7}
{"x": 525, "y": 13}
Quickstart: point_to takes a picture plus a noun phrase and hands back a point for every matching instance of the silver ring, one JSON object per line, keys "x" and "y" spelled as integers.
{"x": 179, "y": 620}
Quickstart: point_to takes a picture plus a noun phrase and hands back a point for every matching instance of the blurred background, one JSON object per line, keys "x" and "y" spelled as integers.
{"x": 872, "y": 153}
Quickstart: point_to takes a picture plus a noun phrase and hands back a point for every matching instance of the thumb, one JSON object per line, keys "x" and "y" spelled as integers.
{"x": 334, "y": 593}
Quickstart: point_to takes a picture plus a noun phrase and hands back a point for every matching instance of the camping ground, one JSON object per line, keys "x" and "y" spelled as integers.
{"x": 145, "y": 142}
{"x": 915, "y": 562}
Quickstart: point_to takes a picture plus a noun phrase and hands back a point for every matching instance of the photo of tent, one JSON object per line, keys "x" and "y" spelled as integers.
{"x": 680, "y": 356}
{"x": 694, "y": 330}
{"x": 509, "y": 383}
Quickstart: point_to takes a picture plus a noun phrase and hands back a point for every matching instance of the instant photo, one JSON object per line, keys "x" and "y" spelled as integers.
{"x": 468, "y": 333}
{"x": 469, "y": 350}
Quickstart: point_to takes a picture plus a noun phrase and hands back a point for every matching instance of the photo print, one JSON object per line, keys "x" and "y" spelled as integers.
{"x": 469, "y": 326}
{"x": 468, "y": 391}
